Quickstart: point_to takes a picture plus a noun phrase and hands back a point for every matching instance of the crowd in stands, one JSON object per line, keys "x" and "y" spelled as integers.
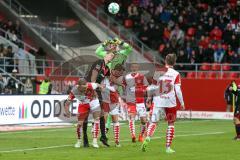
{"x": 14, "y": 57}
{"x": 12, "y": 31}
{"x": 198, "y": 31}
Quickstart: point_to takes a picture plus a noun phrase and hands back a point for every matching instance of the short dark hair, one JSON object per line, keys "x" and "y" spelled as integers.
{"x": 171, "y": 59}
{"x": 82, "y": 81}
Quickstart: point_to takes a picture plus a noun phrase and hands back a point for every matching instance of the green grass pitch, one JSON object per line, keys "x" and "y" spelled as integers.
{"x": 195, "y": 140}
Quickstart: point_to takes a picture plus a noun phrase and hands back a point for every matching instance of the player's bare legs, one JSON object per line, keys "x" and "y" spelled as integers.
{"x": 132, "y": 126}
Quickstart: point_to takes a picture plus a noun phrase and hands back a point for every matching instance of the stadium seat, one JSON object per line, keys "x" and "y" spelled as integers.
{"x": 225, "y": 75}
{"x": 233, "y": 75}
{"x": 205, "y": 67}
{"x": 128, "y": 23}
{"x": 226, "y": 67}
{"x": 212, "y": 75}
{"x": 202, "y": 75}
{"x": 191, "y": 75}
{"x": 216, "y": 67}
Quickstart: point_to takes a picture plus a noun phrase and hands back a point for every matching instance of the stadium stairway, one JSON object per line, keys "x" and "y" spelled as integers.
{"x": 104, "y": 32}
{"x": 59, "y": 16}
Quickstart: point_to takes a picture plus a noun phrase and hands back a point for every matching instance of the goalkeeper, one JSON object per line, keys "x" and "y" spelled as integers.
{"x": 121, "y": 50}
{"x": 236, "y": 91}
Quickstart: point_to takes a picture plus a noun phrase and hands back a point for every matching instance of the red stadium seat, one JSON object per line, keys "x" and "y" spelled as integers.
{"x": 191, "y": 75}
{"x": 202, "y": 75}
{"x": 233, "y": 75}
{"x": 225, "y": 75}
{"x": 205, "y": 67}
{"x": 212, "y": 75}
{"x": 216, "y": 67}
{"x": 128, "y": 23}
{"x": 226, "y": 67}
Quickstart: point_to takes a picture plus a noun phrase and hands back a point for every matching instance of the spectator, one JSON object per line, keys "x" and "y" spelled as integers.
{"x": 167, "y": 50}
{"x": 133, "y": 12}
{"x": 182, "y": 58}
{"x": 9, "y": 62}
{"x": 28, "y": 87}
{"x": 13, "y": 85}
{"x": 234, "y": 42}
{"x": 2, "y": 84}
{"x": 179, "y": 34}
{"x": 219, "y": 54}
{"x": 216, "y": 34}
{"x": 145, "y": 17}
{"x": 22, "y": 60}
{"x": 209, "y": 54}
{"x": 235, "y": 60}
{"x": 200, "y": 55}
{"x": 144, "y": 35}
{"x": 200, "y": 32}
{"x": 227, "y": 34}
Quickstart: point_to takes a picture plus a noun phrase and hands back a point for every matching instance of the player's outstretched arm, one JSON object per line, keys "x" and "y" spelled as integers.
{"x": 127, "y": 49}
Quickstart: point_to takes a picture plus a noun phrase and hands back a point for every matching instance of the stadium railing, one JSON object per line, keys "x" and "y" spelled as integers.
{"x": 209, "y": 70}
{"x": 118, "y": 29}
{"x": 43, "y": 31}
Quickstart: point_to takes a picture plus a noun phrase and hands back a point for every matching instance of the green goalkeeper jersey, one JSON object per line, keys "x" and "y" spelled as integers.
{"x": 120, "y": 57}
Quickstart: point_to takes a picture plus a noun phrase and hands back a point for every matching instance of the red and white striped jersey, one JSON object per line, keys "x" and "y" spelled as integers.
{"x": 164, "y": 91}
{"x": 135, "y": 86}
{"x": 109, "y": 94}
{"x": 83, "y": 97}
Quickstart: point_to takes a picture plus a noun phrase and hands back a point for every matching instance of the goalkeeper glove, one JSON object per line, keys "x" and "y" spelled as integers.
{"x": 106, "y": 42}
{"x": 118, "y": 41}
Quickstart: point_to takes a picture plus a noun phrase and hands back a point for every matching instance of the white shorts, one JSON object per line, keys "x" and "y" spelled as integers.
{"x": 141, "y": 110}
{"x": 94, "y": 105}
{"x": 114, "y": 109}
{"x": 157, "y": 113}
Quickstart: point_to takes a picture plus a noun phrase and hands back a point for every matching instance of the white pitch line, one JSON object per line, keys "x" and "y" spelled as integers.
{"x": 68, "y": 145}
{"x": 32, "y": 149}
{"x": 66, "y": 128}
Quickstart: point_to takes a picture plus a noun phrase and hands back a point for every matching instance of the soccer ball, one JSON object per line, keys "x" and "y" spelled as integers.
{"x": 113, "y": 8}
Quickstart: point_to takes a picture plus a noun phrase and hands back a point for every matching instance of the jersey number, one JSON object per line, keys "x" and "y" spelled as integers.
{"x": 165, "y": 86}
